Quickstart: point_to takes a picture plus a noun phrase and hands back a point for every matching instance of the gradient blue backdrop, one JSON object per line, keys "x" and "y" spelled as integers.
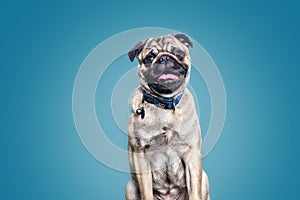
{"x": 254, "y": 43}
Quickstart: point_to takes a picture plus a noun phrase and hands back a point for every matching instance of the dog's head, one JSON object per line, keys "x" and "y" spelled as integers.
{"x": 164, "y": 64}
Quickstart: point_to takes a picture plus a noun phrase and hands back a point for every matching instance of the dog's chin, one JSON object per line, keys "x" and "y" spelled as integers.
{"x": 166, "y": 87}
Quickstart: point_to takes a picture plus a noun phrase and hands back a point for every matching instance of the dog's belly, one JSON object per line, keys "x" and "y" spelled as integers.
{"x": 168, "y": 172}
{"x": 180, "y": 195}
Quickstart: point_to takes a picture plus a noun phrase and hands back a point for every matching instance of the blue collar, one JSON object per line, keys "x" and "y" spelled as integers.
{"x": 166, "y": 103}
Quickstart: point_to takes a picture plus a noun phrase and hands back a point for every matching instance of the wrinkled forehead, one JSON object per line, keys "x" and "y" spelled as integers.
{"x": 163, "y": 43}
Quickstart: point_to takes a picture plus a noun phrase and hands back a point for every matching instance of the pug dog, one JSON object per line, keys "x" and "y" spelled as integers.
{"x": 164, "y": 132}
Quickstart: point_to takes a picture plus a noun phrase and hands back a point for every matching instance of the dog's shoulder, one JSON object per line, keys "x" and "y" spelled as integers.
{"x": 187, "y": 100}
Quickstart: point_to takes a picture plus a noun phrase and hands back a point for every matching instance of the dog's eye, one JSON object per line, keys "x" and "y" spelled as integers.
{"x": 149, "y": 58}
{"x": 179, "y": 54}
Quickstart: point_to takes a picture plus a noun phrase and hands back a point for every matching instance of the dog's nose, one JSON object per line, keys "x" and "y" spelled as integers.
{"x": 164, "y": 59}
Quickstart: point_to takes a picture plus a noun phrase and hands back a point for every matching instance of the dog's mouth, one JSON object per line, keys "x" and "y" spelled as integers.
{"x": 166, "y": 77}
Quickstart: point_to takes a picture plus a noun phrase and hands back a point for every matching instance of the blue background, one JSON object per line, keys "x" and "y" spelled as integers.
{"x": 255, "y": 45}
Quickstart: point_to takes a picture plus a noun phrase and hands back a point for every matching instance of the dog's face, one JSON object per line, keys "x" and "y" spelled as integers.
{"x": 164, "y": 64}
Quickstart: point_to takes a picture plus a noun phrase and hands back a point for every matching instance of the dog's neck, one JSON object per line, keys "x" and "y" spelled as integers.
{"x": 165, "y": 103}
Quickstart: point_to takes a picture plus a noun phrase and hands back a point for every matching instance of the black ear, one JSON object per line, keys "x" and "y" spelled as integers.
{"x": 184, "y": 39}
{"x": 136, "y": 50}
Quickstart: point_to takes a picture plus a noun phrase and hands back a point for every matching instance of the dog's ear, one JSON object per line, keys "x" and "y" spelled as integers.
{"x": 136, "y": 50}
{"x": 184, "y": 39}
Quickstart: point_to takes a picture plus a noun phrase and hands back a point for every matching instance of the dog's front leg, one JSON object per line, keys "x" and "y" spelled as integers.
{"x": 143, "y": 174}
{"x": 193, "y": 172}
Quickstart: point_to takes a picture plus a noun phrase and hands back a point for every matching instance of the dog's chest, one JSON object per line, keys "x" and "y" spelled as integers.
{"x": 158, "y": 128}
